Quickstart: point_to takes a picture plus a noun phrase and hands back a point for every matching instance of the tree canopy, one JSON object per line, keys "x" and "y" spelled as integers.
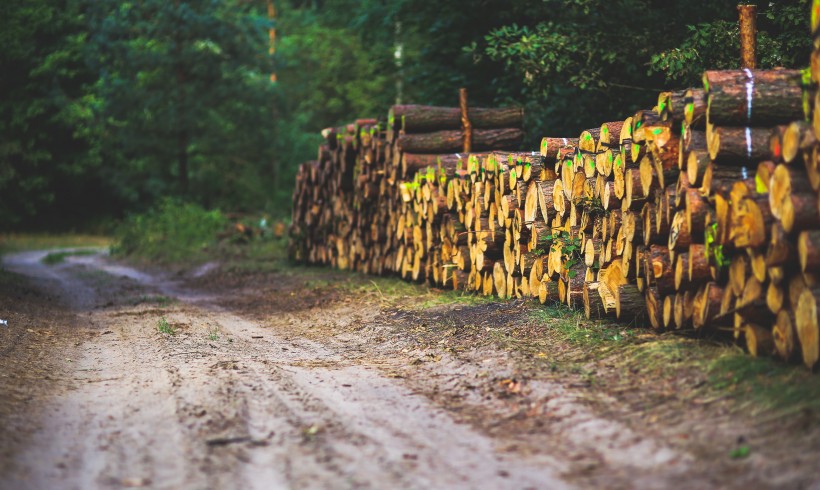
{"x": 112, "y": 105}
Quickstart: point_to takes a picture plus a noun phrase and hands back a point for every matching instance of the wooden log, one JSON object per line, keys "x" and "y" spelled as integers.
{"x": 808, "y": 250}
{"x": 669, "y": 311}
{"x": 696, "y": 211}
{"x": 684, "y": 309}
{"x": 550, "y": 147}
{"x": 776, "y": 97}
{"x": 660, "y": 269}
{"x": 423, "y": 119}
{"x": 597, "y": 305}
{"x": 452, "y": 141}
{"x": 737, "y": 145}
{"x": 706, "y": 305}
{"x": 784, "y": 334}
{"x": 634, "y": 197}
{"x": 547, "y": 290}
{"x": 751, "y": 222}
{"x": 798, "y": 137}
{"x": 695, "y": 108}
{"x": 654, "y": 307}
{"x": 806, "y": 321}
{"x": 649, "y": 179}
{"x": 679, "y": 236}
{"x": 696, "y": 165}
{"x": 759, "y": 341}
{"x": 781, "y": 250}
{"x": 792, "y": 200}
{"x": 448, "y": 163}
{"x": 630, "y": 304}
{"x": 671, "y": 106}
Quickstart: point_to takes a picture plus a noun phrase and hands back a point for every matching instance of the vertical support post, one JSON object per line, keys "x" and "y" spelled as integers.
{"x": 272, "y": 36}
{"x": 748, "y": 35}
{"x": 465, "y": 120}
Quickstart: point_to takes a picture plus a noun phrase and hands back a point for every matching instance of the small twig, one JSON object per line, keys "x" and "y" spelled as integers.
{"x": 224, "y": 441}
{"x": 378, "y": 290}
{"x": 189, "y": 352}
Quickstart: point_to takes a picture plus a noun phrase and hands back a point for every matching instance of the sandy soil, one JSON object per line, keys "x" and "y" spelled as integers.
{"x": 268, "y": 382}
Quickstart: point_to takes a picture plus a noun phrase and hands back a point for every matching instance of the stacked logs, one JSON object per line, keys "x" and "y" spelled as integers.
{"x": 727, "y": 216}
{"x": 700, "y": 214}
{"x": 671, "y": 217}
{"x": 374, "y": 200}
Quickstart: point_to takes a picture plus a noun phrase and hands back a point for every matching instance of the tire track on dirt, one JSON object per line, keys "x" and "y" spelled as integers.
{"x": 228, "y": 402}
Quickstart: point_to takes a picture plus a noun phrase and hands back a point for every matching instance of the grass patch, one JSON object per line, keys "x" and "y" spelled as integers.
{"x": 164, "y": 327}
{"x": 573, "y": 327}
{"x": 259, "y": 255}
{"x": 173, "y": 232}
{"x": 456, "y": 297}
{"x": 769, "y": 385}
{"x": 155, "y": 299}
{"x": 716, "y": 368}
{"x": 59, "y": 257}
{"x": 18, "y": 242}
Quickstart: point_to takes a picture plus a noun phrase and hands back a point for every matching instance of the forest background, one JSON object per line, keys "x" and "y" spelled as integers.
{"x": 111, "y": 108}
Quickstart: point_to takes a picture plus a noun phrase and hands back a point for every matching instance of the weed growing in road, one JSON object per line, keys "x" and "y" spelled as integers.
{"x": 159, "y": 300}
{"x": 59, "y": 257}
{"x": 16, "y": 242}
{"x": 164, "y": 327}
{"x": 213, "y": 334}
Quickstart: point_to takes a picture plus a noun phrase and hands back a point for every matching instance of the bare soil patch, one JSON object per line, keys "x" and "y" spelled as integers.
{"x": 310, "y": 378}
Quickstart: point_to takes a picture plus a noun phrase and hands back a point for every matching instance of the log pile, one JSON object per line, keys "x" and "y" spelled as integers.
{"x": 699, "y": 214}
{"x": 375, "y": 198}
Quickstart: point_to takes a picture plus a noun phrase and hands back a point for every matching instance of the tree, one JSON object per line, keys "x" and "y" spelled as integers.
{"x": 595, "y": 60}
{"x": 187, "y": 99}
{"x": 46, "y": 148}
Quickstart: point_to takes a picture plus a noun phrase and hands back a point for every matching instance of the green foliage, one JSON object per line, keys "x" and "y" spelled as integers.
{"x": 588, "y": 62}
{"x": 788, "y": 45}
{"x": 187, "y": 102}
{"x": 111, "y": 106}
{"x": 54, "y": 258}
{"x": 174, "y": 231}
{"x": 45, "y": 157}
{"x": 570, "y": 247}
{"x": 164, "y": 327}
{"x": 16, "y": 242}
{"x": 592, "y": 206}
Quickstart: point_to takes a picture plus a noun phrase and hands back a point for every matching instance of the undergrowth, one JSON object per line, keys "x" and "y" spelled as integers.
{"x": 173, "y": 232}
{"x": 17, "y": 242}
{"x": 54, "y": 258}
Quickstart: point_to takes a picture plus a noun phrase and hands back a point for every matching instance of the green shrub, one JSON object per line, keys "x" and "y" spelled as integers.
{"x": 174, "y": 231}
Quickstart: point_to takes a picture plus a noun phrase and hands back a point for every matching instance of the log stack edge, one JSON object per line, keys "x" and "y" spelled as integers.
{"x": 701, "y": 213}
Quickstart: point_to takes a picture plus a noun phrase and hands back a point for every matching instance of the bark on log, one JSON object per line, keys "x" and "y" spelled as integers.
{"x": 452, "y": 141}
{"x": 806, "y": 321}
{"x": 737, "y": 145}
{"x": 422, "y": 119}
{"x": 776, "y": 97}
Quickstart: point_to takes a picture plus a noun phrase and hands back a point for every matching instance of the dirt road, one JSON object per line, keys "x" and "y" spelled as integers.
{"x": 288, "y": 386}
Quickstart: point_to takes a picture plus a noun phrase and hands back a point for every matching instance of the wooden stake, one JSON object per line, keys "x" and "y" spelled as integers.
{"x": 465, "y": 120}
{"x": 748, "y": 35}
{"x": 272, "y": 36}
